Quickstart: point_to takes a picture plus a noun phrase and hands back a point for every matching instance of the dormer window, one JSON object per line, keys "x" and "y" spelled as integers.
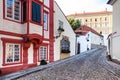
{"x": 13, "y": 9}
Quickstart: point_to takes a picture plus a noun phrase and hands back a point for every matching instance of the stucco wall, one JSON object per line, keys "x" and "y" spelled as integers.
{"x": 36, "y": 29}
{"x": 115, "y": 51}
{"x": 59, "y": 15}
{"x": 95, "y": 39}
{"x": 83, "y": 43}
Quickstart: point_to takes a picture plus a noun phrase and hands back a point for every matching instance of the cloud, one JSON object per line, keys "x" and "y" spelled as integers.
{"x": 78, "y": 6}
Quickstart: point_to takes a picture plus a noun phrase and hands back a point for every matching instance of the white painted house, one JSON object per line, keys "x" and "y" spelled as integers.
{"x": 64, "y": 45}
{"x": 87, "y": 39}
{"x": 114, "y": 37}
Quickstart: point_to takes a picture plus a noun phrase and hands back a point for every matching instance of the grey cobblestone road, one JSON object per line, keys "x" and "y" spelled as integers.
{"x": 86, "y": 66}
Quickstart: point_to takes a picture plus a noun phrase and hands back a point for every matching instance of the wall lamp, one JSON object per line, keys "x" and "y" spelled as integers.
{"x": 60, "y": 30}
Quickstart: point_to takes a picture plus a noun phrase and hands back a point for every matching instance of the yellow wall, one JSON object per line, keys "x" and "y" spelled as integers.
{"x": 100, "y": 16}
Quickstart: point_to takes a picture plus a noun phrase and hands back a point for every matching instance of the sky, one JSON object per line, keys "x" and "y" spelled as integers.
{"x": 79, "y": 6}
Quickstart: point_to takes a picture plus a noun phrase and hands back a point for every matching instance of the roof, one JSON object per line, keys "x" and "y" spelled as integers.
{"x": 91, "y": 13}
{"x": 83, "y": 30}
{"x": 111, "y": 2}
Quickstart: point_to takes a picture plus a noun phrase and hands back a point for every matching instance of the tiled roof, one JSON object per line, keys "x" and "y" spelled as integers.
{"x": 83, "y": 30}
{"x": 90, "y": 13}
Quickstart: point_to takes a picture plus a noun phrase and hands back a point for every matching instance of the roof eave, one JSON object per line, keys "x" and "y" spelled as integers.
{"x": 111, "y": 2}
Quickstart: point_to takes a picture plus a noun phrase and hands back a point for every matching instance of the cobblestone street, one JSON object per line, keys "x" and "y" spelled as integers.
{"x": 87, "y": 66}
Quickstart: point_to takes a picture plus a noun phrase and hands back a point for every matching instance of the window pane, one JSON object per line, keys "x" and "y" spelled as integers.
{"x": 16, "y": 52}
{"x": 12, "y": 52}
{"x": 13, "y": 9}
{"x": 9, "y": 8}
{"x": 17, "y": 10}
{"x": 24, "y": 11}
{"x": 9, "y": 53}
{"x": 43, "y": 53}
{"x": 36, "y": 12}
{"x": 45, "y": 21}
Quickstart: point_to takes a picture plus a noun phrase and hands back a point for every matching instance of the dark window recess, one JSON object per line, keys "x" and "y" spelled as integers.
{"x": 65, "y": 46}
{"x": 36, "y": 12}
{"x": 24, "y": 11}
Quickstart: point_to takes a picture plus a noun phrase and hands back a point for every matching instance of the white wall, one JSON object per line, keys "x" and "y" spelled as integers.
{"x": 36, "y": 29}
{"x": 30, "y": 54}
{"x": 59, "y": 15}
{"x": 95, "y": 39}
{"x": 115, "y": 51}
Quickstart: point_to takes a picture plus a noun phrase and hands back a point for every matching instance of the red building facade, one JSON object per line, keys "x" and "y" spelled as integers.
{"x": 26, "y": 34}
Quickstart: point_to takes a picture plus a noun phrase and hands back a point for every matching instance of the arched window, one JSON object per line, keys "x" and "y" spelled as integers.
{"x": 65, "y": 45}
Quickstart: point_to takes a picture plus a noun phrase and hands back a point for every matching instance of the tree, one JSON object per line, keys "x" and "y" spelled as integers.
{"x": 74, "y": 23}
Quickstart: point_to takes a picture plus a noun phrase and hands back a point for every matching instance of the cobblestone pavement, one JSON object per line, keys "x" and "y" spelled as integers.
{"x": 87, "y": 66}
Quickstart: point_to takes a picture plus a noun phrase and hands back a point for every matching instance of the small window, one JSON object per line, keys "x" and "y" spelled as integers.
{"x": 36, "y": 12}
{"x": 13, "y": 9}
{"x": 95, "y": 19}
{"x": 12, "y": 53}
{"x": 65, "y": 45}
{"x": 95, "y": 25}
{"x": 45, "y": 21}
{"x": 43, "y": 53}
{"x": 60, "y": 24}
{"x": 91, "y": 20}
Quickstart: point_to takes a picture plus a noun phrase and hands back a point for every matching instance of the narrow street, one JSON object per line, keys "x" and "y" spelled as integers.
{"x": 87, "y": 66}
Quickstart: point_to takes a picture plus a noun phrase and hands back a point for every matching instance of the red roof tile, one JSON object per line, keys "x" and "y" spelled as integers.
{"x": 83, "y": 30}
{"x": 90, "y": 13}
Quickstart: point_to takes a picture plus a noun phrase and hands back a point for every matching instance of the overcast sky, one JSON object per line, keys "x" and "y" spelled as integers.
{"x": 78, "y": 6}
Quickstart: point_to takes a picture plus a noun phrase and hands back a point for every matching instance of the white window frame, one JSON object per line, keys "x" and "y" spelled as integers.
{"x": 13, "y": 11}
{"x": 45, "y": 21}
{"x": 43, "y": 53}
{"x": 13, "y": 52}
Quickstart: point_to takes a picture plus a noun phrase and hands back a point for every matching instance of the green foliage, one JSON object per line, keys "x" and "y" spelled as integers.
{"x": 74, "y": 23}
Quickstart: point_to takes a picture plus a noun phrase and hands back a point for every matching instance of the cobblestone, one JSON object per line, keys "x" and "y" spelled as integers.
{"x": 90, "y": 66}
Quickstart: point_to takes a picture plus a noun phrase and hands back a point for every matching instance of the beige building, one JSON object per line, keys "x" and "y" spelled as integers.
{"x": 114, "y": 38}
{"x": 99, "y": 21}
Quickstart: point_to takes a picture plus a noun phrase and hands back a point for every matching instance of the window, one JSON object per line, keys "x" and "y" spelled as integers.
{"x": 91, "y": 25}
{"x": 60, "y": 24}
{"x": 65, "y": 45}
{"x": 91, "y": 20}
{"x": 36, "y": 12}
{"x": 13, "y": 9}
{"x": 95, "y": 25}
{"x": 43, "y": 53}
{"x": 45, "y": 21}
{"x": 12, "y": 53}
{"x": 24, "y": 11}
{"x": 95, "y": 19}
{"x": 100, "y": 19}
{"x": 85, "y": 20}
